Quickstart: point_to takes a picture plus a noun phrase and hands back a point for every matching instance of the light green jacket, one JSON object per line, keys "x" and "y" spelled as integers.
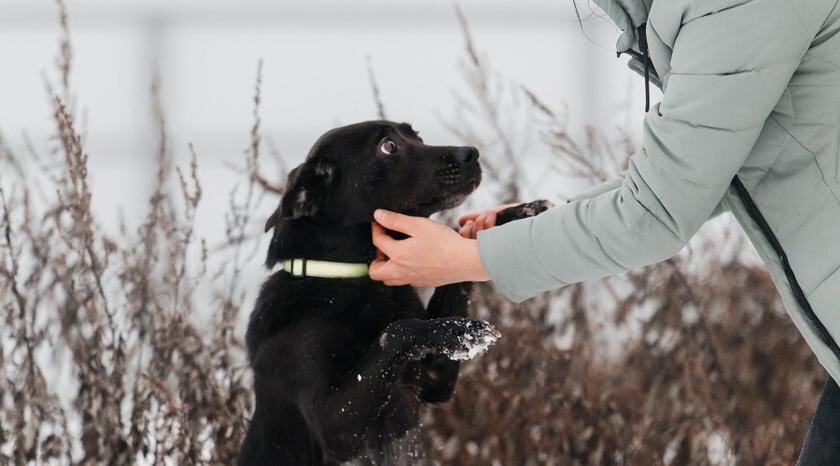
{"x": 750, "y": 88}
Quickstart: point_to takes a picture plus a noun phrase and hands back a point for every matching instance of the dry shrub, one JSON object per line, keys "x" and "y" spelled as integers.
{"x": 716, "y": 380}
{"x": 692, "y": 361}
{"x": 102, "y": 360}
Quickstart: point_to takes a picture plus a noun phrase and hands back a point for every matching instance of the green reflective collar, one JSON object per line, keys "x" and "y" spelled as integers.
{"x": 299, "y": 267}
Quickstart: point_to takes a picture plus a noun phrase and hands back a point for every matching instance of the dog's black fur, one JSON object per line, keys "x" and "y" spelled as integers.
{"x": 342, "y": 365}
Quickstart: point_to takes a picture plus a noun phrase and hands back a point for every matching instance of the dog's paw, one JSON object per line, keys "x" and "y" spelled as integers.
{"x": 433, "y": 377}
{"x": 521, "y": 211}
{"x": 400, "y": 337}
{"x": 454, "y": 337}
{"x": 460, "y": 339}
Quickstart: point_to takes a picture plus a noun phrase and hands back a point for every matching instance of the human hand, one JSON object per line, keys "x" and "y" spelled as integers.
{"x": 474, "y": 222}
{"x": 433, "y": 255}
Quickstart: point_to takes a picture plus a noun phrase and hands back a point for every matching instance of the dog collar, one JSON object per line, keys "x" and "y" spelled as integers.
{"x": 299, "y": 267}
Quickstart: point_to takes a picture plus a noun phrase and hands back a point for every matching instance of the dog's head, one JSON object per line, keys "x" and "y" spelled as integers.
{"x": 353, "y": 170}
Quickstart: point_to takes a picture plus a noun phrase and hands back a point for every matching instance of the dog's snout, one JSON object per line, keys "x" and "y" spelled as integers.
{"x": 466, "y": 155}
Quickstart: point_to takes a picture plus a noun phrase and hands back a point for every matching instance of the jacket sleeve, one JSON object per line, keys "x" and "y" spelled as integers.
{"x": 598, "y": 189}
{"x": 611, "y": 184}
{"x": 729, "y": 69}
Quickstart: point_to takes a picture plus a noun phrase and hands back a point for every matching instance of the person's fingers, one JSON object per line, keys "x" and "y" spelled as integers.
{"x": 464, "y": 231}
{"x": 468, "y": 230}
{"x": 380, "y": 256}
{"x": 490, "y": 221}
{"x": 479, "y": 222}
{"x": 473, "y": 230}
{"x": 398, "y": 222}
{"x": 462, "y": 220}
{"x": 380, "y": 271}
{"x": 383, "y": 242}
{"x": 474, "y": 215}
{"x": 386, "y": 272}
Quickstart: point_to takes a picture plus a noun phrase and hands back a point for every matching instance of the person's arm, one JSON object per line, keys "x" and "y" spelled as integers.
{"x": 728, "y": 70}
{"x": 613, "y": 183}
{"x": 598, "y": 189}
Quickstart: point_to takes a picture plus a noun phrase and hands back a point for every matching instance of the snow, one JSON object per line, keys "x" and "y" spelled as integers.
{"x": 475, "y": 344}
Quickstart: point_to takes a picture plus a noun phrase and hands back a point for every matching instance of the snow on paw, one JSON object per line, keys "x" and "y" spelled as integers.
{"x": 475, "y": 343}
{"x": 461, "y": 339}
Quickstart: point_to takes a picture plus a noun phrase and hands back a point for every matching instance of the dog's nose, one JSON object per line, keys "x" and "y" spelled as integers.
{"x": 466, "y": 155}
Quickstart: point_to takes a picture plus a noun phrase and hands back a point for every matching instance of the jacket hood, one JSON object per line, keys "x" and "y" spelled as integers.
{"x": 627, "y": 15}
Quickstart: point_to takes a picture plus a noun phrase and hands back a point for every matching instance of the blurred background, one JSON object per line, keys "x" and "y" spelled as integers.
{"x": 688, "y": 362}
{"x": 315, "y": 75}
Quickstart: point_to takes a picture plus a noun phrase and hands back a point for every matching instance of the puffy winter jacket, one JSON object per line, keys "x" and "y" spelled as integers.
{"x": 749, "y": 121}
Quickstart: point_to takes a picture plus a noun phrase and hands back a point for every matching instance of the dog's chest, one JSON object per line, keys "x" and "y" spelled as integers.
{"x": 373, "y": 312}
{"x": 361, "y": 321}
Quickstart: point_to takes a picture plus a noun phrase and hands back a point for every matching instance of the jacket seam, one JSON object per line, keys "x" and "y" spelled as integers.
{"x": 673, "y": 232}
{"x": 786, "y": 2}
{"x": 824, "y": 281}
{"x": 710, "y": 13}
{"x": 711, "y": 127}
{"x": 598, "y": 241}
{"x": 775, "y": 157}
{"x": 729, "y": 73}
{"x": 808, "y": 150}
{"x": 801, "y": 21}
{"x": 825, "y": 60}
{"x": 658, "y": 35}
{"x": 754, "y": 70}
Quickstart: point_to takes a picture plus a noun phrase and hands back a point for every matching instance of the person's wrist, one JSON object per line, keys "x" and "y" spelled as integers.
{"x": 475, "y": 268}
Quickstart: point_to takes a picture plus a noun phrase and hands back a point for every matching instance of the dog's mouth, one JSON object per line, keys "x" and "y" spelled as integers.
{"x": 453, "y": 176}
{"x": 453, "y": 184}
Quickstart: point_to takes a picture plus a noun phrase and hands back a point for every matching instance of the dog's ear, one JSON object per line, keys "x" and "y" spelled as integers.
{"x": 306, "y": 188}
{"x": 275, "y": 217}
{"x": 309, "y": 184}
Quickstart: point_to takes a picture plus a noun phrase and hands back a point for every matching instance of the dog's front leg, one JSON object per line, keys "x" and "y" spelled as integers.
{"x": 435, "y": 375}
{"x": 343, "y": 414}
{"x": 450, "y": 301}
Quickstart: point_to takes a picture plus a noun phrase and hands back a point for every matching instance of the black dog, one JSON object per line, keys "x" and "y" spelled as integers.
{"x": 341, "y": 365}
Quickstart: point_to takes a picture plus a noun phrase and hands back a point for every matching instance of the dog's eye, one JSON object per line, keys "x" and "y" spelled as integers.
{"x": 387, "y": 146}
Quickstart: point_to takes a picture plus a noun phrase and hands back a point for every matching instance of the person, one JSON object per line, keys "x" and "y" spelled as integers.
{"x": 748, "y": 122}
